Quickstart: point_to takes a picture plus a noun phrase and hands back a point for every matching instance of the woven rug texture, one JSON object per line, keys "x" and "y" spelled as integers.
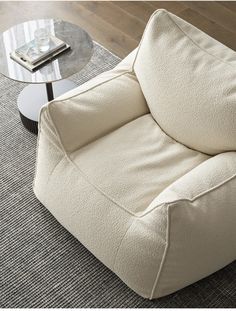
{"x": 41, "y": 264}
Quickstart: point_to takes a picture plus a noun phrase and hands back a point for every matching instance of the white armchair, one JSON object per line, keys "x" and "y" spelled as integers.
{"x": 139, "y": 163}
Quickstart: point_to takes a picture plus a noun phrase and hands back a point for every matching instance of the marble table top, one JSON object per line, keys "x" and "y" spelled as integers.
{"x": 62, "y": 67}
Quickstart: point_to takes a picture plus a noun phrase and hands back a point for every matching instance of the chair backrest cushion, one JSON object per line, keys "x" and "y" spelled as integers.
{"x": 189, "y": 82}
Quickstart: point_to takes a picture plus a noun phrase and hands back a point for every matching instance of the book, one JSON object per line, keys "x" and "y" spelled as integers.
{"x": 32, "y": 67}
{"x": 29, "y": 52}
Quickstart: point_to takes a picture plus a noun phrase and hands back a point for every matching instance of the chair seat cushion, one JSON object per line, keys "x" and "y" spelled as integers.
{"x": 136, "y": 162}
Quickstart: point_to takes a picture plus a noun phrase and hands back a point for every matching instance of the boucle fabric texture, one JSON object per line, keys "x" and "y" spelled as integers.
{"x": 143, "y": 155}
{"x": 188, "y": 80}
{"x": 115, "y": 167}
{"x": 42, "y": 265}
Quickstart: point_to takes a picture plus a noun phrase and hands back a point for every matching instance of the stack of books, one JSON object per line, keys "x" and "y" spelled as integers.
{"x": 31, "y": 58}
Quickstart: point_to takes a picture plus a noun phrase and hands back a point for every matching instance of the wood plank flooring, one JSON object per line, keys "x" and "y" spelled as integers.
{"x": 118, "y": 25}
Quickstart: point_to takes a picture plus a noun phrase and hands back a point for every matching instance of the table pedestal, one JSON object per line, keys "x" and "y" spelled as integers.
{"x": 34, "y": 96}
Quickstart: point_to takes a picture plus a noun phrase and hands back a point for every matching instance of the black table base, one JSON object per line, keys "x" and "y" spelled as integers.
{"x": 32, "y": 125}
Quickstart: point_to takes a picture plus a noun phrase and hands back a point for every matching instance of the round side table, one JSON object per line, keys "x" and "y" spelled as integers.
{"x": 50, "y": 80}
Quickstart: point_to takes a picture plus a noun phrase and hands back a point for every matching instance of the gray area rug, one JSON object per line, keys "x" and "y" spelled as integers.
{"x": 41, "y": 264}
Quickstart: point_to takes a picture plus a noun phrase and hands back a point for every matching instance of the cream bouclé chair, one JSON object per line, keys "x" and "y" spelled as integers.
{"x": 139, "y": 163}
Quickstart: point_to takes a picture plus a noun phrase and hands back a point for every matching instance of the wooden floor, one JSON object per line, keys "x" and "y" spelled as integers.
{"x": 118, "y": 25}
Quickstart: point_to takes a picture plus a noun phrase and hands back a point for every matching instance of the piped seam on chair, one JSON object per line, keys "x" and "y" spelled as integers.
{"x": 196, "y": 44}
{"x": 50, "y": 175}
{"x": 46, "y": 108}
{"x": 106, "y": 134}
{"x": 52, "y": 170}
{"x": 36, "y": 162}
{"x": 173, "y": 140}
{"x": 140, "y": 215}
{"x": 97, "y": 188}
{"x": 37, "y": 148}
{"x": 83, "y": 92}
{"x": 59, "y": 140}
{"x": 164, "y": 256}
{"x": 120, "y": 244}
{"x": 169, "y": 205}
{"x": 191, "y": 200}
{"x": 157, "y": 12}
{"x": 191, "y": 39}
{"x": 94, "y": 86}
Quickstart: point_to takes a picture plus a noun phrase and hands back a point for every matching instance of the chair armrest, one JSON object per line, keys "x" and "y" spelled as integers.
{"x": 201, "y": 222}
{"x": 207, "y": 177}
{"x": 97, "y": 107}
